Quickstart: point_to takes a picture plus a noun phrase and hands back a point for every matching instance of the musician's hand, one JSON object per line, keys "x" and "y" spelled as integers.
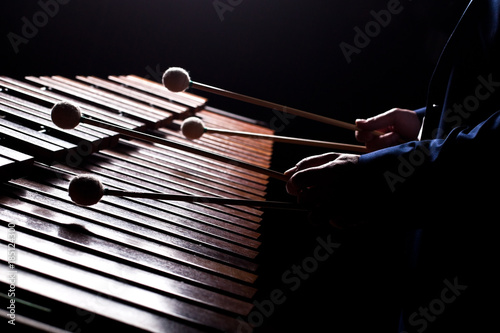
{"x": 324, "y": 183}
{"x": 398, "y": 125}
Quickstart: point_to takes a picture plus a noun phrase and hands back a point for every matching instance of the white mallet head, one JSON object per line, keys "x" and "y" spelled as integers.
{"x": 193, "y": 128}
{"x": 66, "y": 115}
{"x": 176, "y": 79}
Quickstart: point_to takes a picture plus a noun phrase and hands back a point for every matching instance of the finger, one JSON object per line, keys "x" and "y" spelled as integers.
{"x": 291, "y": 188}
{"x": 311, "y": 197}
{"x": 383, "y": 141}
{"x": 307, "y": 178}
{"x": 301, "y": 180}
{"x": 309, "y": 162}
{"x": 291, "y": 171}
{"x": 315, "y": 161}
{"x": 378, "y": 122}
{"x": 364, "y": 136}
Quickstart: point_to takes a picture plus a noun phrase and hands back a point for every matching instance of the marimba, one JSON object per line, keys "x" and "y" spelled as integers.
{"x": 135, "y": 263}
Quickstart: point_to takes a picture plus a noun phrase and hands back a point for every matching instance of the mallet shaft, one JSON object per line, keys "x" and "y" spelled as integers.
{"x": 176, "y": 145}
{"x": 284, "y": 139}
{"x": 275, "y": 106}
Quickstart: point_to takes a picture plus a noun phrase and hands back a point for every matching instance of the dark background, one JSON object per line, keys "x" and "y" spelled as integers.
{"x": 281, "y": 50}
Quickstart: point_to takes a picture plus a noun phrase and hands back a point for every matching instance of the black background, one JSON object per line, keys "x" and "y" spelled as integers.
{"x": 284, "y": 51}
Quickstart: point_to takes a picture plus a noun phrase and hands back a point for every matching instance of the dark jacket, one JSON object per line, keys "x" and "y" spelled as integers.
{"x": 445, "y": 187}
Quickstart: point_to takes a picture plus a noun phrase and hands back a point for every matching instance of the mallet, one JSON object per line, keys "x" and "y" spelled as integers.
{"x": 177, "y": 79}
{"x": 193, "y": 128}
{"x": 88, "y": 190}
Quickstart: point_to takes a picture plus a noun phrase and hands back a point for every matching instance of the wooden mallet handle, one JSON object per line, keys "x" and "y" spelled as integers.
{"x": 284, "y": 139}
{"x": 180, "y": 146}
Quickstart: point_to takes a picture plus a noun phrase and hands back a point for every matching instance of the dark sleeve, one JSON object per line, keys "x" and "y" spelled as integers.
{"x": 420, "y": 113}
{"x": 456, "y": 176}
